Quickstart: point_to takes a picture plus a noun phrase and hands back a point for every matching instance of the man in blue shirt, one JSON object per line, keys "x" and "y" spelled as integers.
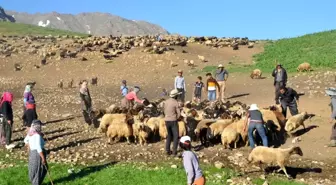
{"x": 124, "y": 88}
{"x": 180, "y": 85}
{"x": 221, "y": 77}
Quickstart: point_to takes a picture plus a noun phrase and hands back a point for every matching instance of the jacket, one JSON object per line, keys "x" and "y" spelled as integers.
{"x": 171, "y": 110}
{"x": 289, "y": 96}
{"x": 284, "y": 75}
{"x": 211, "y": 82}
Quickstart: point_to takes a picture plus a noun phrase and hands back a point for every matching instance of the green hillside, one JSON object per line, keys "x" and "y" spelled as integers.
{"x": 318, "y": 49}
{"x": 8, "y": 28}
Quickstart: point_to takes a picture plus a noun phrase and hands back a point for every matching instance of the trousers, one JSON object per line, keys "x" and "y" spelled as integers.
{"x": 293, "y": 108}
{"x": 172, "y": 134}
{"x": 261, "y": 131}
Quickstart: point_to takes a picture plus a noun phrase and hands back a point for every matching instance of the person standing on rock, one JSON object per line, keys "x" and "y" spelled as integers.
{"x": 211, "y": 86}
{"x": 7, "y": 115}
{"x": 172, "y": 114}
{"x": 180, "y": 85}
{"x": 256, "y": 122}
{"x": 280, "y": 79}
{"x": 221, "y": 77}
{"x": 289, "y": 98}
{"x": 191, "y": 163}
{"x": 332, "y": 93}
{"x": 37, "y": 165}
{"x": 128, "y": 101}
{"x": 86, "y": 102}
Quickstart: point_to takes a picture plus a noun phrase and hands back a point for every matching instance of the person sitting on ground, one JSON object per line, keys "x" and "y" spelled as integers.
{"x": 198, "y": 90}
{"x": 289, "y": 98}
{"x": 7, "y": 113}
{"x": 86, "y": 102}
{"x": 29, "y": 115}
{"x": 128, "y": 101}
{"x": 256, "y": 122}
{"x": 124, "y": 88}
{"x": 191, "y": 163}
{"x": 37, "y": 165}
{"x": 332, "y": 93}
{"x": 211, "y": 86}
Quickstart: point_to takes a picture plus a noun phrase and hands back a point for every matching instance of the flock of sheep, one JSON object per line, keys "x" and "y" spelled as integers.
{"x": 208, "y": 122}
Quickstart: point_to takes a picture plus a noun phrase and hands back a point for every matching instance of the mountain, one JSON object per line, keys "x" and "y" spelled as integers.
{"x": 91, "y": 23}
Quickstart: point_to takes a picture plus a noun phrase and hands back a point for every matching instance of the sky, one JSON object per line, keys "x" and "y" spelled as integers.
{"x": 258, "y": 19}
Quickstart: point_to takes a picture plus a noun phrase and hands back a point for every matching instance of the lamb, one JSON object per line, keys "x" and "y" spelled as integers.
{"x": 304, "y": 67}
{"x": 296, "y": 121}
{"x": 119, "y": 129}
{"x": 277, "y": 156}
{"x": 256, "y": 74}
{"x": 239, "y": 126}
{"x": 108, "y": 120}
{"x": 229, "y": 136}
{"x": 141, "y": 131}
{"x": 154, "y": 123}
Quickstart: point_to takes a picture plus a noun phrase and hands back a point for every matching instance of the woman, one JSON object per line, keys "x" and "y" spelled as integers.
{"x": 37, "y": 166}
{"x": 28, "y": 97}
{"x": 256, "y": 122}
{"x": 191, "y": 163}
{"x": 127, "y": 101}
{"x": 86, "y": 102}
{"x": 7, "y": 113}
{"x": 29, "y": 115}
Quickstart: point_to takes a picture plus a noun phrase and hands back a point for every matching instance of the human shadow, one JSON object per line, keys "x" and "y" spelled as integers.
{"x": 303, "y": 131}
{"x": 61, "y": 135}
{"x": 84, "y": 172}
{"x": 19, "y": 130}
{"x": 238, "y": 95}
{"x": 60, "y": 120}
{"x": 293, "y": 171}
{"x": 71, "y": 144}
{"x": 54, "y": 131}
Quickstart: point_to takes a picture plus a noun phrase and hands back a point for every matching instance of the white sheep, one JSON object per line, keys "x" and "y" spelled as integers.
{"x": 108, "y": 119}
{"x": 296, "y": 121}
{"x": 163, "y": 129}
{"x": 141, "y": 132}
{"x": 279, "y": 156}
{"x": 119, "y": 130}
{"x": 229, "y": 136}
{"x": 218, "y": 127}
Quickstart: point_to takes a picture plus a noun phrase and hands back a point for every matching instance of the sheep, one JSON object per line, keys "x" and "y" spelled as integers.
{"x": 141, "y": 131}
{"x": 256, "y": 74}
{"x": 154, "y": 123}
{"x": 239, "y": 126}
{"x": 270, "y": 118}
{"x": 173, "y": 64}
{"x": 163, "y": 129}
{"x": 119, "y": 129}
{"x": 229, "y": 136}
{"x": 295, "y": 121}
{"x": 304, "y": 67}
{"x": 277, "y": 156}
{"x": 109, "y": 119}
{"x": 218, "y": 126}
{"x": 202, "y": 58}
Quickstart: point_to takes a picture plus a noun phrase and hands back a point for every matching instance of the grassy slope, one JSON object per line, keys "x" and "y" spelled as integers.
{"x": 8, "y": 28}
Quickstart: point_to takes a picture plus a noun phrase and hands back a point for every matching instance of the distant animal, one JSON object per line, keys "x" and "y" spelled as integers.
{"x": 235, "y": 46}
{"x": 44, "y": 61}
{"x": 256, "y": 74}
{"x": 17, "y": 67}
{"x": 70, "y": 83}
{"x": 60, "y": 84}
{"x": 304, "y": 67}
{"x": 202, "y": 58}
{"x": 173, "y": 64}
{"x": 94, "y": 81}
{"x": 72, "y": 54}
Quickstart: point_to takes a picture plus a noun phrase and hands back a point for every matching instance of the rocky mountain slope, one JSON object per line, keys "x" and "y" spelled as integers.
{"x": 90, "y": 23}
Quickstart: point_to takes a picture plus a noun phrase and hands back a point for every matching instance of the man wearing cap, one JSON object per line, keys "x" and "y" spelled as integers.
{"x": 332, "y": 93}
{"x": 221, "y": 77}
{"x": 280, "y": 79}
{"x": 180, "y": 85}
{"x": 172, "y": 114}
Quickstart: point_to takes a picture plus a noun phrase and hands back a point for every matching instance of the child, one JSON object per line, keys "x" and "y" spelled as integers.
{"x": 198, "y": 89}
{"x": 164, "y": 93}
{"x": 124, "y": 88}
{"x": 191, "y": 163}
{"x": 29, "y": 114}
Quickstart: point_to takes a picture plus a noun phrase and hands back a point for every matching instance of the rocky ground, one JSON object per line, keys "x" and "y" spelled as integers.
{"x": 69, "y": 140}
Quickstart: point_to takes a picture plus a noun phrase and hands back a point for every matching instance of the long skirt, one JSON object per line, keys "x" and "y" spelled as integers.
{"x": 37, "y": 171}
{"x": 2, "y": 135}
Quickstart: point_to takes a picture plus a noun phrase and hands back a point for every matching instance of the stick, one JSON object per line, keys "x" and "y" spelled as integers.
{"x": 49, "y": 176}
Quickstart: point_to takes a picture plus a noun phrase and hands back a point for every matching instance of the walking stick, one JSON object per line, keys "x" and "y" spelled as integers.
{"x": 49, "y": 176}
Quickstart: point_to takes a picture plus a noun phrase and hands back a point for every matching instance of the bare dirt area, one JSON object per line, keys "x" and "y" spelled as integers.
{"x": 69, "y": 140}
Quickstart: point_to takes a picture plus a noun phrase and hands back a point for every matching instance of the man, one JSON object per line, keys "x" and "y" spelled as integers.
{"x": 289, "y": 98}
{"x": 332, "y": 93}
{"x": 172, "y": 114}
{"x": 180, "y": 85}
{"x": 221, "y": 76}
{"x": 211, "y": 86}
{"x": 280, "y": 79}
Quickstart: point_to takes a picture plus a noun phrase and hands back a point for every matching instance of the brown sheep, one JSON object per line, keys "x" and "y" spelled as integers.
{"x": 119, "y": 129}
{"x": 256, "y": 74}
{"x": 229, "y": 136}
{"x": 304, "y": 67}
{"x": 163, "y": 129}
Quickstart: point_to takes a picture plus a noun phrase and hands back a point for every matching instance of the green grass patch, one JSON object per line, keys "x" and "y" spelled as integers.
{"x": 318, "y": 49}
{"x": 9, "y": 28}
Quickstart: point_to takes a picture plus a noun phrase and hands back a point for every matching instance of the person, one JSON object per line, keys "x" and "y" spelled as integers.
{"x": 180, "y": 85}
{"x": 37, "y": 165}
{"x": 7, "y": 113}
{"x": 198, "y": 90}
{"x": 211, "y": 85}
{"x": 280, "y": 79}
{"x": 124, "y": 88}
{"x": 172, "y": 114}
{"x": 164, "y": 93}
{"x": 28, "y": 96}
{"x": 332, "y": 93}
{"x": 256, "y": 122}
{"x": 191, "y": 163}
{"x": 29, "y": 115}
{"x": 221, "y": 77}
{"x": 127, "y": 101}
{"x": 289, "y": 98}
{"x": 86, "y": 102}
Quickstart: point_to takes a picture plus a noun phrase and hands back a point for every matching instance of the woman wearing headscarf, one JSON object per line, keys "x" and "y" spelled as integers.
{"x": 127, "y": 101}
{"x": 86, "y": 102}
{"x": 28, "y": 97}
{"x": 37, "y": 164}
{"x": 7, "y": 114}
{"x": 29, "y": 115}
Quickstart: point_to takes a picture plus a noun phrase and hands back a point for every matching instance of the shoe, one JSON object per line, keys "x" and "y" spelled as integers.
{"x": 168, "y": 153}
{"x": 11, "y": 146}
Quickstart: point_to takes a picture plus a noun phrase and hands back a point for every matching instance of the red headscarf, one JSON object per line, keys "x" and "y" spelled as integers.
{"x": 6, "y": 96}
